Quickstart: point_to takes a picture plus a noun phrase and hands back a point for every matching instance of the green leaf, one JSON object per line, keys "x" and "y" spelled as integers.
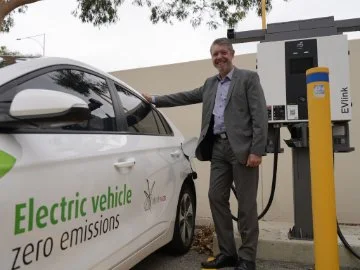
{"x": 6, "y": 163}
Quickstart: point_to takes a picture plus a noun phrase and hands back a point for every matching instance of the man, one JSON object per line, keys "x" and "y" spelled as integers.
{"x": 233, "y": 137}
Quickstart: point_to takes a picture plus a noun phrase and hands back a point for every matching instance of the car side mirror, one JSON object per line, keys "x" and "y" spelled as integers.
{"x": 48, "y": 108}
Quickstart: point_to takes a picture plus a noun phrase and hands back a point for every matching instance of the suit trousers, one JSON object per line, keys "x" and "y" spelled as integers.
{"x": 225, "y": 169}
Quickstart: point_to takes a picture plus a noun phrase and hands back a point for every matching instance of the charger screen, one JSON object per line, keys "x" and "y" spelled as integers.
{"x": 300, "y": 65}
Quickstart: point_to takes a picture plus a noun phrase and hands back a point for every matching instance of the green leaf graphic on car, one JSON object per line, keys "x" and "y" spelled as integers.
{"x": 6, "y": 163}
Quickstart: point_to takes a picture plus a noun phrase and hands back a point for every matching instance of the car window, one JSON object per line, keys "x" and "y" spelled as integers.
{"x": 92, "y": 89}
{"x": 140, "y": 117}
{"x": 165, "y": 127}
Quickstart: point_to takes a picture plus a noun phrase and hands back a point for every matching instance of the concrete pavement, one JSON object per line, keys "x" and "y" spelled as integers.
{"x": 275, "y": 252}
{"x": 275, "y": 245}
{"x": 191, "y": 261}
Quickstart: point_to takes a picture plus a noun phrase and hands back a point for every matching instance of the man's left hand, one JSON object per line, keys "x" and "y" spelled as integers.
{"x": 253, "y": 160}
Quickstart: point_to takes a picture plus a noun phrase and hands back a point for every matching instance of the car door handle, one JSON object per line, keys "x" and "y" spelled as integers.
{"x": 175, "y": 154}
{"x": 125, "y": 164}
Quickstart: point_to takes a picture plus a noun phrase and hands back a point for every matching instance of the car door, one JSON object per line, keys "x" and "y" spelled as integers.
{"x": 67, "y": 201}
{"x": 157, "y": 174}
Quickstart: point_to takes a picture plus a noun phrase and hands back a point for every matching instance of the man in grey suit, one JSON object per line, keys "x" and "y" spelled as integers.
{"x": 233, "y": 137}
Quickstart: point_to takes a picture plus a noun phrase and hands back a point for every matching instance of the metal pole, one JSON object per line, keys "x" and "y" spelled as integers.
{"x": 37, "y": 41}
{"x": 44, "y": 45}
{"x": 322, "y": 172}
{"x": 303, "y": 227}
{"x": 263, "y": 13}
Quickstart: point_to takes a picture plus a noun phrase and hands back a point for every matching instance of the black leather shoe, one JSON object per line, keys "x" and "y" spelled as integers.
{"x": 220, "y": 261}
{"x": 245, "y": 265}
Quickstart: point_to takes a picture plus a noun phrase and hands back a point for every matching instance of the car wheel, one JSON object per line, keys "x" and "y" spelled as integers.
{"x": 184, "y": 223}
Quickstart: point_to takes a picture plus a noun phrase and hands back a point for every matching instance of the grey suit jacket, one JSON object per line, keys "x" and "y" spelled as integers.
{"x": 245, "y": 114}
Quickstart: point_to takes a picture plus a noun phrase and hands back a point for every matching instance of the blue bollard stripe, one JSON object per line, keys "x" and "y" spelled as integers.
{"x": 317, "y": 77}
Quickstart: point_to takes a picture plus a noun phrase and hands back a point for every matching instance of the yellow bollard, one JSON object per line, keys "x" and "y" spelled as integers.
{"x": 326, "y": 249}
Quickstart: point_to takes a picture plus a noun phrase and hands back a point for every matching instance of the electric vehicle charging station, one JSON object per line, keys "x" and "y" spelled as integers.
{"x": 285, "y": 52}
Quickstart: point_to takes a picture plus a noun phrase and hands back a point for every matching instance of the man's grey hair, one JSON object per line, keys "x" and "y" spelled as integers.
{"x": 223, "y": 41}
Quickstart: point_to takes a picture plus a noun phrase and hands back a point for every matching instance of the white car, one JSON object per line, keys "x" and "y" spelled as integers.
{"x": 91, "y": 175}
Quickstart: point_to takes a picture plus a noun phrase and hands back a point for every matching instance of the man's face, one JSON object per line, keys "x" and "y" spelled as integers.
{"x": 222, "y": 58}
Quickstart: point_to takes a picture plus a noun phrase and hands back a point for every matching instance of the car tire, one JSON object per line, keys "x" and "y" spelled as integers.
{"x": 185, "y": 222}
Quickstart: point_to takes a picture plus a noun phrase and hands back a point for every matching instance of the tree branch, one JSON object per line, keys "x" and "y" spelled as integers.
{"x": 7, "y": 6}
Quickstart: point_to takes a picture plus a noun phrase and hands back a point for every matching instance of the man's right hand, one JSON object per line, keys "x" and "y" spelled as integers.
{"x": 147, "y": 97}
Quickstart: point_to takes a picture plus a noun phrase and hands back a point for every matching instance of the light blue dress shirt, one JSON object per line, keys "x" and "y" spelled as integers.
{"x": 220, "y": 102}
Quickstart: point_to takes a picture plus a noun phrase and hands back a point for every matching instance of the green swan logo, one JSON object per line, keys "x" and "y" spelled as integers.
{"x": 7, "y": 161}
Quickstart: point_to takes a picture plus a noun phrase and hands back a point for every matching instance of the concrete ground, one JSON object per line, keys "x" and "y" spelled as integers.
{"x": 191, "y": 261}
{"x": 275, "y": 245}
{"x": 275, "y": 251}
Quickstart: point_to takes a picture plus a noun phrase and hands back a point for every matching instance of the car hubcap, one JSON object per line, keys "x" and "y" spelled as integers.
{"x": 186, "y": 219}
